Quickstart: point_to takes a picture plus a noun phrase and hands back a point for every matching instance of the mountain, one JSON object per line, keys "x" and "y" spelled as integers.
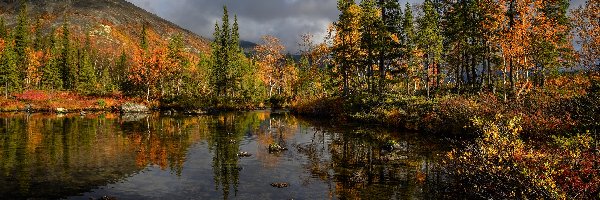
{"x": 248, "y": 46}
{"x": 113, "y": 25}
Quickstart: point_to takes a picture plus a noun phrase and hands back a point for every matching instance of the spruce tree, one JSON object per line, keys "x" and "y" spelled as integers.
{"x": 430, "y": 41}
{"x": 21, "y": 40}
{"x": 68, "y": 66}
{"x": 9, "y": 72}
{"x": 390, "y": 45}
{"x": 144, "y": 43}
{"x": 86, "y": 79}
{"x": 408, "y": 40}
{"x": 3, "y": 29}
{"x": 51, "y": 78}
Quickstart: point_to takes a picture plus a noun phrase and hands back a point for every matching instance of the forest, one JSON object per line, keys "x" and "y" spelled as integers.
{"x": 508, "y": 73}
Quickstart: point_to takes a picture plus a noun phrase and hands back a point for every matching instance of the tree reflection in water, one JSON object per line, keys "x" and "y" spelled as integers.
{"x": 354, "y": 163}
{"x": 45, "y": 156}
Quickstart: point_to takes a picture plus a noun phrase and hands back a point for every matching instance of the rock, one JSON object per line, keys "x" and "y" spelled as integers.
{"x": 274, "y": 148}
{"x": 104, "y": 198}
{"x": 61, "y": 110}
{"x": 358, "y": 177}
{"x": 134, "y": 108}
{"x": 280, "y": 184}
{"x": 133, "y": 117}
{"x": 244, "y": 154}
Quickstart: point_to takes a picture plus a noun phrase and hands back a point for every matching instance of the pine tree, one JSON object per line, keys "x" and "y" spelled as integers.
{"x": 21, "y": 39}
{"x": 409, "y": 45}
{"x": 346, "y": 43}
{"x": 9, "y": 72}
{"x": 391, "y": 47}
{"x": 86, "y": 78}
{"x": 430, "y": 41}
{"x": 178, "y": 62}
{"x": 3, "y": 29}
{"x": 51, "y": 78}
{"x": 227, "y": 56}
{"x": 371, "y": 27}
{"x": 68, "y": 60}
{"x": 144, "y": 43}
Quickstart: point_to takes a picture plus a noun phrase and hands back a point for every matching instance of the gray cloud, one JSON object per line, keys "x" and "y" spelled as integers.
{"x": 285, "y": 19}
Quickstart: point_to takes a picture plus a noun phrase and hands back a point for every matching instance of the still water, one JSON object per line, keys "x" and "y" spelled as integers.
{"x": 197, "y": 157}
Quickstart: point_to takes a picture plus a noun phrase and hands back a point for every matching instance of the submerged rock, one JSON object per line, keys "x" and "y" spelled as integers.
{"x": 244, "y": 154}
{"x": 274, "y": 148}
{"x": 280, "y": 184}
{"x": 134, "y": 108}
{"x": 133, "y": 117}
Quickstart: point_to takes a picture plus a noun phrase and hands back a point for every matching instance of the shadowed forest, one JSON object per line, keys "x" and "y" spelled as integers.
{"x": 515, "y": 80}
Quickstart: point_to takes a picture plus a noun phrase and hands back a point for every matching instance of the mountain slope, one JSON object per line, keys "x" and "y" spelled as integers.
{"x": 113, "y": 25}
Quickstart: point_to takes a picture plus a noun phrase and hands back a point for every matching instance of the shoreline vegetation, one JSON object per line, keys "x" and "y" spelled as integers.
{"x": 503, "y": 76}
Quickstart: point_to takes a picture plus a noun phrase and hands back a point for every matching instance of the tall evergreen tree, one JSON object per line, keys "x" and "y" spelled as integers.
{"x": 226, "y": 55}
{"x": 220, "y": 70}
{"x": 409, "y": 45}
{"x": 430, "y": 42}
{"x": 3, "y": 29}
{"x": 391, "y": 47}
{"x": 21, "y": 39}
{"x": 9, "y": 71}
{"x": 68, "y": 64}
{"x": 346, "y": 44}
{"x": 144, "y": 43}
{"x": 51, "y": 78}
{"x": 372, "y": 32}
{"x": 86, "y": 78}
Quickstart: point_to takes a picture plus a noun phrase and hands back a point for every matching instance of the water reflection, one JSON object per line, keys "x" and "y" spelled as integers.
{"x": 45, "y": 156}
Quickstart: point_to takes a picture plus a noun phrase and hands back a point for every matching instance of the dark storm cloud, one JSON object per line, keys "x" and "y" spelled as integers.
{"x": 285, "y": 19}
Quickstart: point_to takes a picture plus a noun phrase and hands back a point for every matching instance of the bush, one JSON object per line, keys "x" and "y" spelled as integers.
{"x": 502, "y": 165}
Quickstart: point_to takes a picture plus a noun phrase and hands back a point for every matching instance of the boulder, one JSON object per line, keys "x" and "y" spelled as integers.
{"x": 134, "y": 108}
{"x": 61, "y": 110}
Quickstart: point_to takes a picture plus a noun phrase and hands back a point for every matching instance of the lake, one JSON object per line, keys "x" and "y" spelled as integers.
{"x": 198, "y": 157}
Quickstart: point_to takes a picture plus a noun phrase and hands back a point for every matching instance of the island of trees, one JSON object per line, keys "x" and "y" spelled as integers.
{"x": 509, "y": 72}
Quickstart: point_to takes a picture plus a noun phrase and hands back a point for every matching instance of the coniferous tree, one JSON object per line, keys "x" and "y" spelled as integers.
{"x": 409, "y": 46}
{"x": 227, "y": 58}
{"x": 346, "y": 43}
{"x": 21, "y": 40}
{"x": 371, "y": 27}
{"x": 51, "y": 78}
{"x": 391, "y": 47}
{"x": 3, "y": 29}
{"x": 68, "y": 61}
{"x": 430, "y": 42}
{"x": 9, "y": 72}
{"x": 87, "y": 79}
{"x": 221, "y": 55}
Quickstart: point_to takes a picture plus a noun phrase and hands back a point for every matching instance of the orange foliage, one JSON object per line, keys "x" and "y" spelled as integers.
{"x": 33, "y": 72}
{"x": 2, "y": 45}
{"x": 269, "y": 56}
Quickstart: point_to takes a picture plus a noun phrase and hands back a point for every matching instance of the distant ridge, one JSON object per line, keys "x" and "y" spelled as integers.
{"x": 113, "y": 25}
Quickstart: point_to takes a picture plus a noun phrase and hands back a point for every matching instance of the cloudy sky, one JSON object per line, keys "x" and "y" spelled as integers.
{"x": 285, "y": 19}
